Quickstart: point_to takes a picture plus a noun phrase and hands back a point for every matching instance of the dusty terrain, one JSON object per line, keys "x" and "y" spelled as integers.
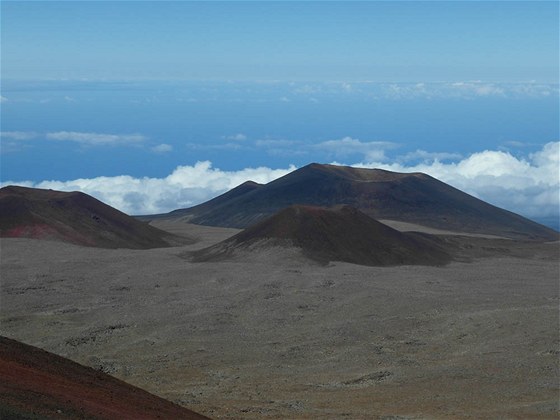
{"x": 276, "y": 336}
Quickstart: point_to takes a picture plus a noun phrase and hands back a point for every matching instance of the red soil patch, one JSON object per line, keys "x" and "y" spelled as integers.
{"x": 76, "y": 218}
{"x": 35, "y": 384}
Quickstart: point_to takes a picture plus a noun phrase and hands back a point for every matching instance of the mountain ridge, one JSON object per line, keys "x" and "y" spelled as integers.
{"x": 409, "y": 197}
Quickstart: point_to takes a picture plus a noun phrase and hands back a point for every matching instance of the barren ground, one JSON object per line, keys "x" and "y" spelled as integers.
{"x": 278, "y": 337}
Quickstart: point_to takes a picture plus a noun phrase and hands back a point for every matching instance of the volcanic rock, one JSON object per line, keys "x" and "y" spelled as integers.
{"x": 338, "y": 234}
{"x": 407, "y": 197}
{"x": 77, "y": 218}
{"x": 35, "y": 384}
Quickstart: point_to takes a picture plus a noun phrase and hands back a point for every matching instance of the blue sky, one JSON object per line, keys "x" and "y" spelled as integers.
{"x": 152, "y": 106}
{"x": 380, "y": 41}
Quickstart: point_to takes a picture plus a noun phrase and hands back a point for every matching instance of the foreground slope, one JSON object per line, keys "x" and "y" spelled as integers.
{"x": 339, "y": 234}
{"x": 407, "y": 197}
{"x": 75, "y": 217}
{"x": 37, "y": 384}
{"x": 284, "y": 339}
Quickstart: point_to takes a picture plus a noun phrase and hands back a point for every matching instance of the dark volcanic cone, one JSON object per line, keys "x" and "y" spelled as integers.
{"x": 35, "y": 384}
{"x": 77, "y": 218}
{"x": 414, "y": 198}
{"x": 223, "y": 199}
{"x": 340, "y": 234}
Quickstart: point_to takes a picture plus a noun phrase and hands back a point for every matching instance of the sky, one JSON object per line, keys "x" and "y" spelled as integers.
{"x": 383, "y": 41}
{"x": 153, "y": 106}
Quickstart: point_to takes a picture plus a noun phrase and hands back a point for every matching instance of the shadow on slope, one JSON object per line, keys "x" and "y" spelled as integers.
{"x": 77, "y": 218}
{"x": 338, "y": 234}
{"x": 35, "y": 384}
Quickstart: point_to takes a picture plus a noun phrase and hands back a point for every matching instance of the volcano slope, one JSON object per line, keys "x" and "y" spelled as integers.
{"x": 406, "y": 197}
{"x": 342, "y": 233}
{"x": 76, "y": 218}
{"x": 37, "y": 384}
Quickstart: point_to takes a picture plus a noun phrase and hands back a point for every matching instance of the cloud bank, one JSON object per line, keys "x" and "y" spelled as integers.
{"x": 528, "y": 185}
{"x": 186, "y": 186}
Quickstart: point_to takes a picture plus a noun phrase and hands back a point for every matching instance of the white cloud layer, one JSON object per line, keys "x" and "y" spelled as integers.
{"x": 527, "y": 185}
{"x": 186, "y": 186}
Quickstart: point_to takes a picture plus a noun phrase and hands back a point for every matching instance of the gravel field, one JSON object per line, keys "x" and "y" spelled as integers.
{"x": 275, "y": 336}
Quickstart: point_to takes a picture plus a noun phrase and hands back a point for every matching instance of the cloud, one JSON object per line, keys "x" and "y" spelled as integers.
{"x": 186, "y": 186}
{"x": 79, "y": 137}
{"x": 95, "y": 139}
{"x": 404, "y": 91}
{"x": 527, "y": 185}
{"x": 15, "y": 141}
{"x": 224, "y": 146}
{"x": 276, "y": 143}
{"x": 348, "y": 146}
{"x": 454, "y": 90}
{"x": 162, "y": 148}
{"x": 467, "y": 89}
{"x": 10, "y": 139}
{"x": 478, "y": 88}
{"x": 308, "y": 89}
{"x": 459, "y": 90}
{"x": 347, "y": 87}
{"x": 425, "y": 156}
{"x": 464, "y": 90}
{"x": 283, "y": 147}
{"x": 515, "y": 143}
{"x": 236, "y": 137}
{"x": 18, "y": 135}
{"x": 533, "y": 90}
{"x": 3, "y": 99}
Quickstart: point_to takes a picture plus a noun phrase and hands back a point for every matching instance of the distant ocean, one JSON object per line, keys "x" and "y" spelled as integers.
{"x": 196, "y": 118}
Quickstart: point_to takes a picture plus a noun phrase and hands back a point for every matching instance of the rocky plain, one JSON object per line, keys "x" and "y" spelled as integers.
{"x": 271, "y": 334}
